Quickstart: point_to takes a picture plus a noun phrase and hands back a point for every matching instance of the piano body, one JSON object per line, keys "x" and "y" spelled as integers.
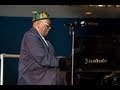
{"x": 97, "y": 54}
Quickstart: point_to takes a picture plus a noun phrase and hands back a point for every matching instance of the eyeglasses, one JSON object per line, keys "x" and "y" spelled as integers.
{"x": 48, "y": 25}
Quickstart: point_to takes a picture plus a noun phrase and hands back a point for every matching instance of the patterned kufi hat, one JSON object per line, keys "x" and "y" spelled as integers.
{"x": 39, "y": 16}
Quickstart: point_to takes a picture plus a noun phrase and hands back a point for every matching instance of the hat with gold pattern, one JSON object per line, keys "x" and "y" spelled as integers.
{"x": 39, "y": 16}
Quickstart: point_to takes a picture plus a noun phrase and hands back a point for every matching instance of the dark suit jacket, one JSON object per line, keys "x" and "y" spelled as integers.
{"x": 37, "y": 63}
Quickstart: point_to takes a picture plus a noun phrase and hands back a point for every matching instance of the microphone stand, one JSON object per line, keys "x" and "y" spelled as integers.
{"x": 71, "y": 27}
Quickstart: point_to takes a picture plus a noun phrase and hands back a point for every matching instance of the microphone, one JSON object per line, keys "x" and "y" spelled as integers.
{"x": 71, "y": 24}
{"x": 82, "y": 23}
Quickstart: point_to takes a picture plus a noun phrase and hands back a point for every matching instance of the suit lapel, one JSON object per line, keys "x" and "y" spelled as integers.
{"x": 50, "y": 47}
{"x": 41, "y": 40}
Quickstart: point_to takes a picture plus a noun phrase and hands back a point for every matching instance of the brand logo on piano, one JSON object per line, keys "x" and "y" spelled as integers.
{"x": 88, "y": 60}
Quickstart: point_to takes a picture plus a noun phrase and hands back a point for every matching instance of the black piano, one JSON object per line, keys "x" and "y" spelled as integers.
{"x": 97, "y": 53}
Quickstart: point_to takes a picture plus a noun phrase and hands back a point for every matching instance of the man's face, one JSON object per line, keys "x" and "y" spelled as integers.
{"x": 46, "y": 25}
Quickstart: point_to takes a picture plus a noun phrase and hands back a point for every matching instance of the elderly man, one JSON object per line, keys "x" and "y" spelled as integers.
{"x": 38, "y": 64}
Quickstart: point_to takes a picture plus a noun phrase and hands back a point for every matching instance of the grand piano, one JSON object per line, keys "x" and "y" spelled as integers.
{"x": 97, "y": 54}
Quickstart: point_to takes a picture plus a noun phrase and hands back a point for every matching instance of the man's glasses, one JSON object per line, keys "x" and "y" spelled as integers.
{"x": 47, "y": 25}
